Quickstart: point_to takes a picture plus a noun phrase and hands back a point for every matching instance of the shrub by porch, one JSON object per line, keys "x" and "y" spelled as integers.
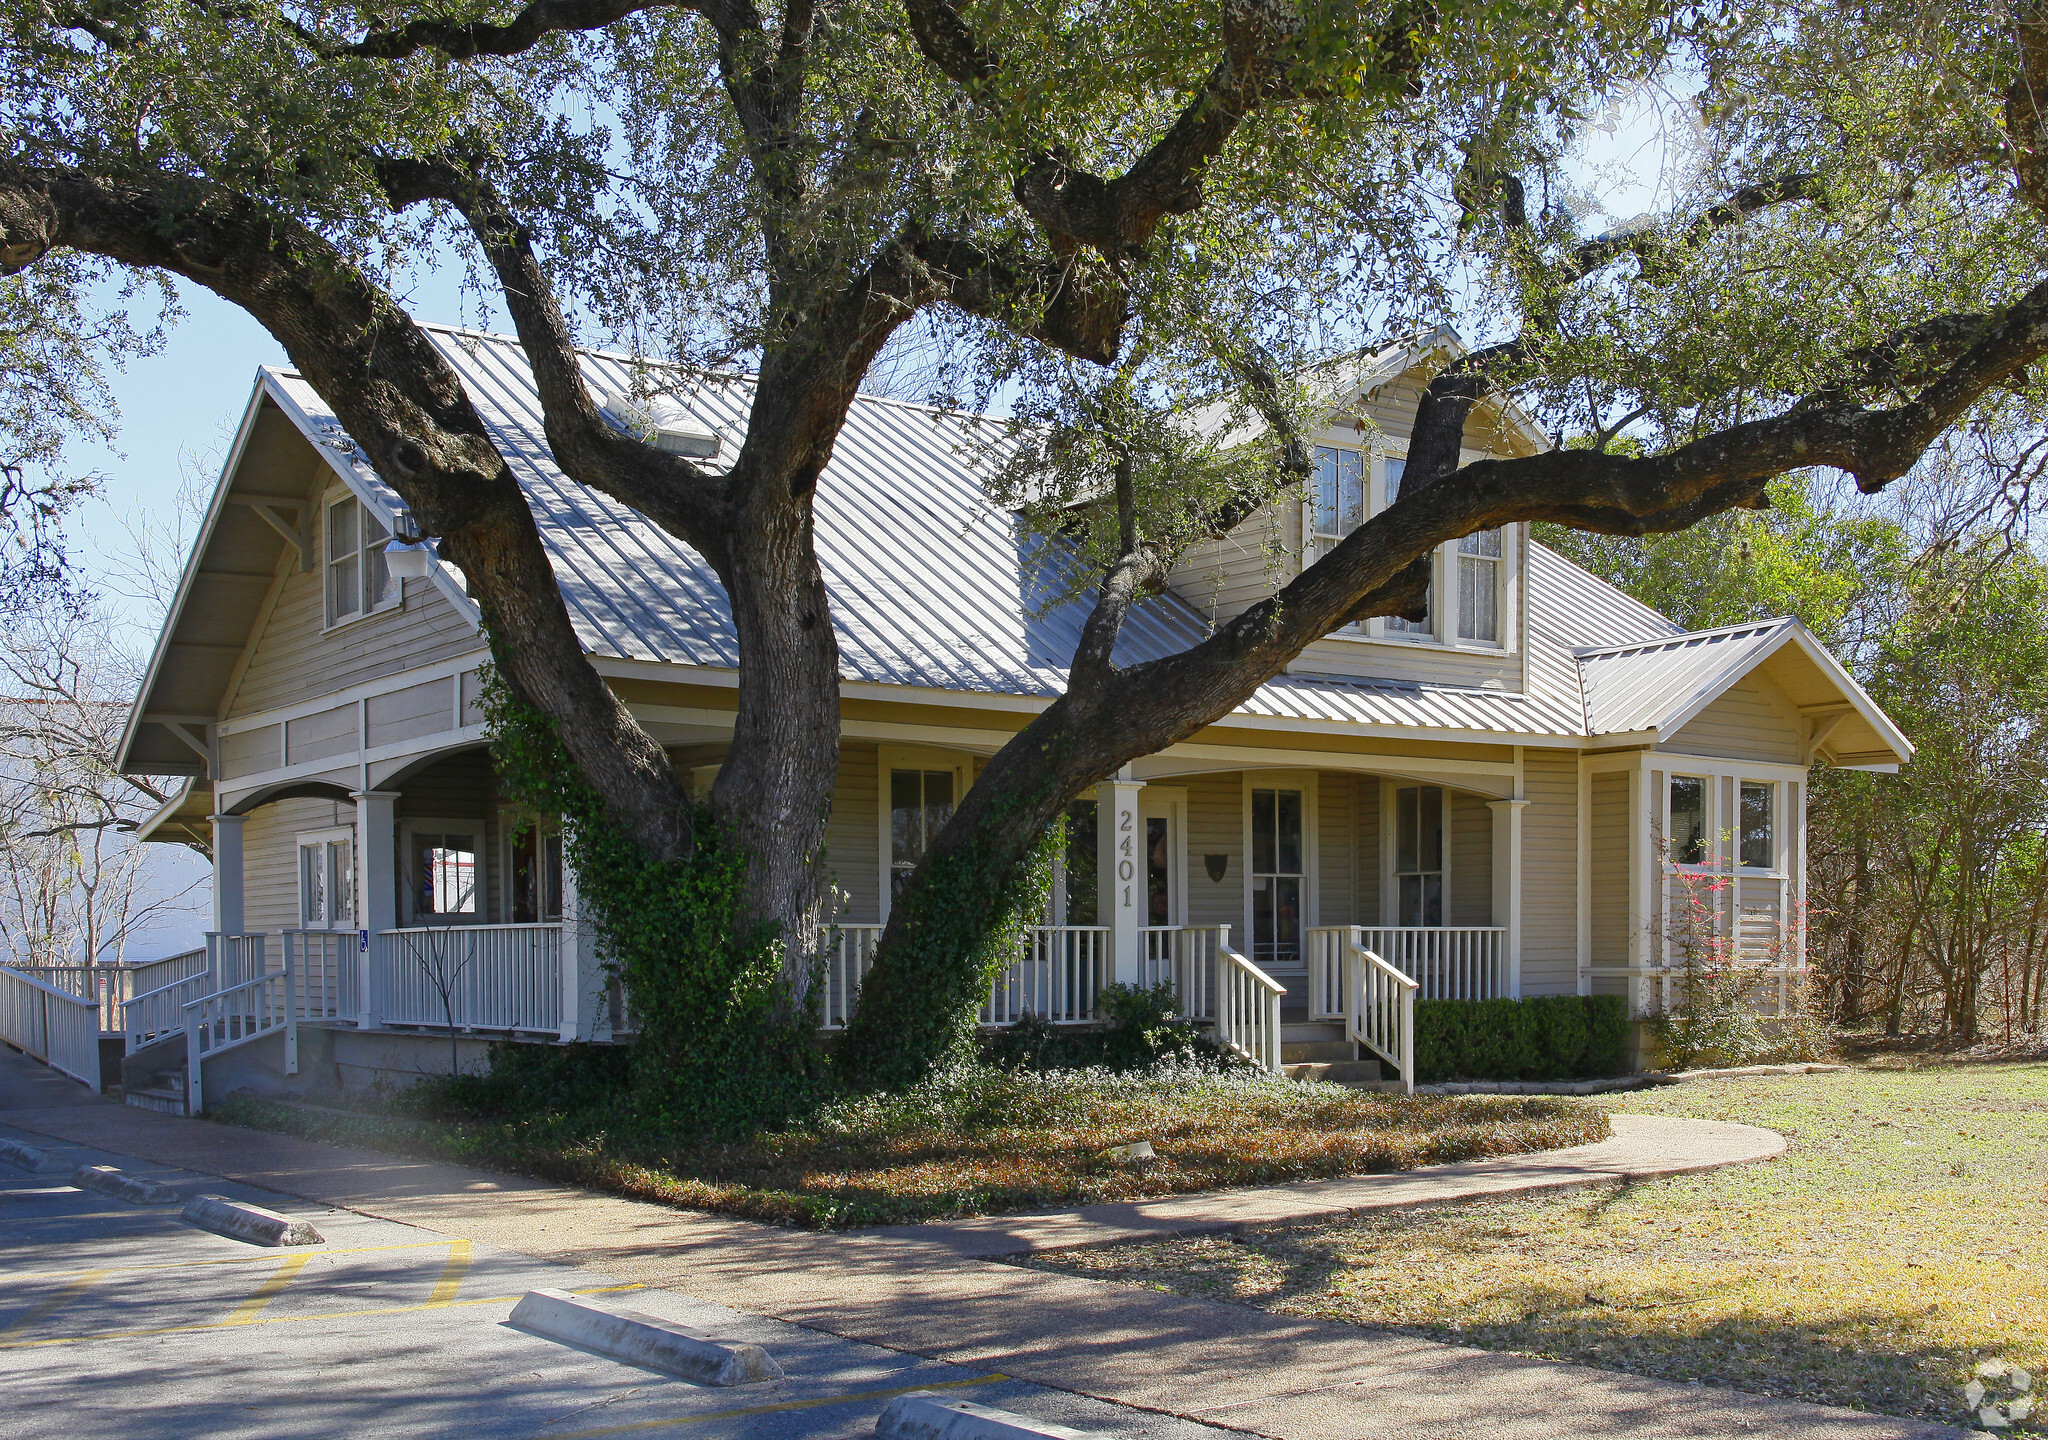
{"x": 969, "y": 1141}
{"x": 1551, "y": 1037}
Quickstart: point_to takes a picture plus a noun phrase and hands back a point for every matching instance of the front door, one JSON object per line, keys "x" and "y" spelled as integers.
{"x": 1165, "y": 851}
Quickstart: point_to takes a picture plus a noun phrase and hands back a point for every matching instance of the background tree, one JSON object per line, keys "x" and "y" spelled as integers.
{"x": 1115, "y": 210}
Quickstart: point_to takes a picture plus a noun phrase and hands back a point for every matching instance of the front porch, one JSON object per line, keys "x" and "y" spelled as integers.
{"x": 1296, "y": 912}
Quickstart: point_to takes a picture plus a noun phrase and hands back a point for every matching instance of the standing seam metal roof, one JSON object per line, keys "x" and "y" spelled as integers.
{"x": 934, "y": 588}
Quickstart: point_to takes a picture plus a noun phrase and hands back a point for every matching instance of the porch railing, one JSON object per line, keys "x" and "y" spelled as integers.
{"x": 57, "y": 1027}
{"x": 1247, "y": 1009}
{"x": 468, "y": 977}
{"x": 849, "y": 955}
{"x": 1185, "y": 957}
{"x": 1062, "y": 970}
{"x": 232, "y": 959}
{"x": 1447, "y": 962}
{"x": 112, "y": 986}
{"x": 234, "y": 1016}
{"x": 1379, "y": 1010}
{"x": 326, "y": 968}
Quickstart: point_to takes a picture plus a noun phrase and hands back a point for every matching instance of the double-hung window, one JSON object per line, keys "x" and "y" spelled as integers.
{"x": 327, "y": 881}
{"x": 1352, "y": 484}
{"x": 1688, "y": 820}
{"x": 1759, "y": 825}
{"x": 358, "y": 581}
{"x": 1479, "y": 562}
{"x": 444, "y": 880}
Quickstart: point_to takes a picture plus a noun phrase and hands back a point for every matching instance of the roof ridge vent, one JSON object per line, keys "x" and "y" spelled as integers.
{"x": 662, "y": 423}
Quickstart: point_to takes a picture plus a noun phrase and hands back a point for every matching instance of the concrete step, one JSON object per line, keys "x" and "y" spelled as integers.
{"x": 1295, "y": 1052}
{"x": 165, "y": 1101}
{"x": 1311, "y": 1030}
{"x": 1337, "y": 1072}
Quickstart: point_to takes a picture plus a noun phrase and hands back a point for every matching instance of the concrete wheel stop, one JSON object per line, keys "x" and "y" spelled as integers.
{"x": 109, "y": 1181}
{"x": 241, "y": 1221}
{"x": 27, "y": 1157}
{"x": 641, "y": 1339}
{"x": 927, "y": 1416}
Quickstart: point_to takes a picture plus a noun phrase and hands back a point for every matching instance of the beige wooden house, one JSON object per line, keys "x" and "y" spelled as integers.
{"x": 1498, "y": 801}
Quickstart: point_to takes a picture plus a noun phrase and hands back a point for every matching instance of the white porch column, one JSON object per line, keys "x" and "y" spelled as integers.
{"x": 1507, "y": 883}
{"x": 376, "y": 887}
{"x": 585, "y": 1014}
{"x": 1120, "y": 871}
{"x": 227, "y": 873}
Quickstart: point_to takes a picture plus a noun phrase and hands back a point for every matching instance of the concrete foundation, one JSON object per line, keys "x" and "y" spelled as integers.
{"x": 341, "y": 1062}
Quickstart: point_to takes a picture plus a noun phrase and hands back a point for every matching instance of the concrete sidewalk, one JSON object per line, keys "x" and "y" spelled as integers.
{"x": 932, "y": 1291}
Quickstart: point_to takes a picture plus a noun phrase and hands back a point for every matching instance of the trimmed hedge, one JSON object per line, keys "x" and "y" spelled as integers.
{"x": 1549, "y": 1037}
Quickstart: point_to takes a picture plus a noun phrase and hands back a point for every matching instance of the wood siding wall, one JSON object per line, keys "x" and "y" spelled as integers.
{"x": 1216, "y": 827}
{"x": 1610, "y": 869}
{"x": 853, "y": 836}
{"x": 1367, "y": 897}
{"x": 270, "y": 859}
{"x": 1471, "y": 859}
{"x": 291, "y": 659}
{"x": 1337, "y": 850}
{"x": 1749, "y": 722}
{"x": 1550, "y": 872}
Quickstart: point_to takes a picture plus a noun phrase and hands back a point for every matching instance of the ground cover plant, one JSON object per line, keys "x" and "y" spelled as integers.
{"x": 971, "y": 1140}
{"x": 1896, "y": 1247}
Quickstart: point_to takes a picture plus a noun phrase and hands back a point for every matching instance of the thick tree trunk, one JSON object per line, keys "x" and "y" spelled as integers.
{"x": 774, "y": 792}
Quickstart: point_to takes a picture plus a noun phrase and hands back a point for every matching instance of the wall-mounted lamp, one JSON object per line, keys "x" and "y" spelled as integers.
{"x": 406, "y": 553}
{"x": 1217, "y": 865}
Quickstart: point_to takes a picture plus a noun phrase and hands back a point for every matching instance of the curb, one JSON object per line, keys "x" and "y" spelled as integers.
{"x": 253, "y": 1223}
{"x": 27, "y": 1157}
{"x": 642, "y": 1340}
{"x": 109, "y": 1181}
{"x": 924, "y": 1416}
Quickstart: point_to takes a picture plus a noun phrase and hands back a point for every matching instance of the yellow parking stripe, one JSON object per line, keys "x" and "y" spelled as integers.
{"x": 451, "y": 1275}
{"x": 217, "y": 1260}
{"x": 288, "y": 1319}
{"x": 245, "y": 1313}
{"x": 39, "y": 1313}
{"x": 859, "y": 1395}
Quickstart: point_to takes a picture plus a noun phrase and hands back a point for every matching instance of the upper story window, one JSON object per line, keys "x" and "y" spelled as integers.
{"x": 358, "y": 581}
{"x": 1466, "y": 598}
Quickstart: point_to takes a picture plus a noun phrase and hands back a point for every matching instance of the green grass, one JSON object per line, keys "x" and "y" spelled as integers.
{"x": 978, "y": 1142}
{"x": 1897, "y": 1245}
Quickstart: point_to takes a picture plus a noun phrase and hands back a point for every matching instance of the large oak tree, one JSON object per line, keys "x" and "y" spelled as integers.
{"x": 1117, "y": 210}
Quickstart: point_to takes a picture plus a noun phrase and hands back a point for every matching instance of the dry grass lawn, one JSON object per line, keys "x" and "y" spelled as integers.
{"x": 1896, "y": 1246}
{"x": 977, "y": 1142}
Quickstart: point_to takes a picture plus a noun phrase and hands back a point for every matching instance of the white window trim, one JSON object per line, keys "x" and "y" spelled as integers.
{"x": 394, "y": 601}
{"x": 1311, "y": 853}
{"x": 323, "y": 838}
{"x": 1777, "y": 869}
{"x": 1443, "y": 568}
{"x": 410, "y": 827}
{"x": 1710, "y": 799}
{"x": 910, "y": 757}
{"x": 1390, "y": 879}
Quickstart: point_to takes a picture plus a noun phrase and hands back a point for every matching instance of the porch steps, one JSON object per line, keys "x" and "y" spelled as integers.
{"x": 1363, "y": 1074}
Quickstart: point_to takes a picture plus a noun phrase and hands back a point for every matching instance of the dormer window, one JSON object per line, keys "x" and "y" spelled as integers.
{"x": 1470, "y": 575}
{"x": 358, "y": 582}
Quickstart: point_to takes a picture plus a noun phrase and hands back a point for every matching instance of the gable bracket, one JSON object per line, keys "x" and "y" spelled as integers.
{"x": 272, "y": 510}
{"x": 1822, "y": 723}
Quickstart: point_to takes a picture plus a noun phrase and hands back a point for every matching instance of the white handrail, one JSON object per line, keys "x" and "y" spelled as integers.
{"x": 57, "y": 1027}
{"x": 1448, "y": 962}
{"x": 1248, "y": 1010}
{"x": 234, "y": 1016}
{"x": 155, "y": 1014}
{"x": 1379, "y": 1010}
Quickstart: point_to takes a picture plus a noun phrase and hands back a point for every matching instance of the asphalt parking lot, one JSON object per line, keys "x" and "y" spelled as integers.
{"x": 121, "y": 1320}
